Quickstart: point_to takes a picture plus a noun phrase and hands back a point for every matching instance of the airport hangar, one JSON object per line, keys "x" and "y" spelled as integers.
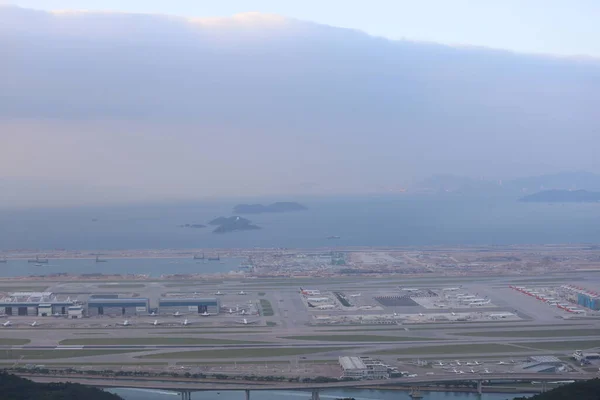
{"x": 33, "y": 304}
{"x": 189, "y": 305}
{"x": 114, "y": 305}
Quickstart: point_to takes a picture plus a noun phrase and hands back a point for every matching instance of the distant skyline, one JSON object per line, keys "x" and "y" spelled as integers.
{"x": 554, "y": 27}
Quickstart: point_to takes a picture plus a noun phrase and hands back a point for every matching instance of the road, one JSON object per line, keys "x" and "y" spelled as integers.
{"x": 173, "y": 384}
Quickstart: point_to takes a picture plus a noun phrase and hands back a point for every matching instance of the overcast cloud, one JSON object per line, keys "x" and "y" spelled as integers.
{"x": 150, "y": 107}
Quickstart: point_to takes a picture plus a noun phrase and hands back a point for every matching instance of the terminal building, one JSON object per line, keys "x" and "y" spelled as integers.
{"x": 363, "y": 368}
{"x": 189, "y": 305}
{"x": 115, "y": 306}
{"x": 33, "y": 304}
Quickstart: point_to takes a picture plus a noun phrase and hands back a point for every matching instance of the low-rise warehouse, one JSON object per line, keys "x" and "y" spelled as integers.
{"x": 117, "y": 306}
{"x": 189, "y": 305}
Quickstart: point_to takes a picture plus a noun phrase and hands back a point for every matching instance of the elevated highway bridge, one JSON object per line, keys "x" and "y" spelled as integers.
{"x": 185, "y": 387}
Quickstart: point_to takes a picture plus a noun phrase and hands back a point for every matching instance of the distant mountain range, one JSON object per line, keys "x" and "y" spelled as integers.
{"x": 564, "y": 181}
{"x": 562, "y": 196}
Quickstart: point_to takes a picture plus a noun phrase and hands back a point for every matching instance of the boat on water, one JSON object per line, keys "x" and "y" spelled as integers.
{"x": 38, "y": 260}
{"x": 333, "y": 237}
{"x": 3, "y": 260}
{"x": 217, "y": 258}
{"x": 99, "y": 260}
{"x": 38, "y": 265}
{"x": 196, "y": 257}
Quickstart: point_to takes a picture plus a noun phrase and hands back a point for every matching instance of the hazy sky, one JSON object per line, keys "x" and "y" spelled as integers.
{"x": 111, "y": 106}
{"x": 564, "y": 27}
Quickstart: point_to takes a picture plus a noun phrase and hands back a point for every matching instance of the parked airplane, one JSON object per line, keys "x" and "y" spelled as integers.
{"x": 453, "y": 314}
{"x": 33, "y": 324}
{"x": 440, "y": 364}
{"x": 155, "y": 323}
{"x": 219, "y": 293}
{"x": 242, "y": 293}
{"x": 472, "y": 371}
{"x": 206, "y": 314}
{"x": 231, "y": 311}
{"x": 178, "y": 314}
{"x": 309, "y": 292}
{"x": 125, "y": 323}
{"x": 7, "y": 324}
{"x": 355, "y": 295}
{"x": 243, "y": 312}
{"x": 486, "y": 371}
{"x": 421, "y": 315}
{"x": 246, "y": 322}
{"x": 457, "y": 362}
{"x": 186, "y": 322}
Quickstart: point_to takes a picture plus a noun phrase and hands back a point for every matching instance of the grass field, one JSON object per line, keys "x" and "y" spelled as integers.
{"x": 534, "y": 334}
{"x": 54, "y": 354}
{"x": 90, "y": 333}
{"x": 122, "y": 286}
{"x": 13, "y": 341}
{"x": 23, "y": 288}
{"x": 267, "y": 308}
{"x": 242, "y": 353}
{"x": 181, "y": 284}
{"x": 563, "y": 345}
{"x": 148, "y": 341}
{"x": 230, "y": 363}
{"x": 455, "y": 349}
{"x": 91, "y": 364}
{"x": 356, "y": 338}
{"x": 199, "y": 332}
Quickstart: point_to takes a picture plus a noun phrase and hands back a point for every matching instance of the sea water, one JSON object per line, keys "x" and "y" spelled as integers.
{"x": 400, "y": 220}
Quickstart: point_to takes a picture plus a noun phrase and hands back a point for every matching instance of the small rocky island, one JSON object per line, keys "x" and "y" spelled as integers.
{"x": 279, "y": 207}
{"x": 232, "y": 224}
{"x": 193, "y": 226}
{"x": 562, "y": 196}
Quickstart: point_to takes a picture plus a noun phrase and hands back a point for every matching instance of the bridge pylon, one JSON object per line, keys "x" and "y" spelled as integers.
{"x": 415, "y": 393}
{"x": 315, "y": 395}
{"x": 185, "y": 395}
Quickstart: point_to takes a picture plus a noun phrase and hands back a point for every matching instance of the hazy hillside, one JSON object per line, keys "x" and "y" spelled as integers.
{"x": 564, "y": 181}
{"x": 270, "y": 105}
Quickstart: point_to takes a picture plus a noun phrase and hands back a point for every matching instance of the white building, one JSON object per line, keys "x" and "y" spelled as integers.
{"x": 363, "y": 368}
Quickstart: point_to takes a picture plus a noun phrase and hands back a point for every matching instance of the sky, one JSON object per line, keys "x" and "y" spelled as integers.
{"x": 99, "y": 107}
{"x": 559, "y": 27}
